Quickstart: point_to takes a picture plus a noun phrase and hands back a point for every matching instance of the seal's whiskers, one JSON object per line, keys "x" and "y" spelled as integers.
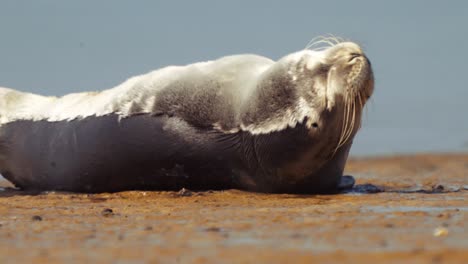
{"x": 323, "y": 42}
{"x": 352, "y": 123}
{"x": 361, "y": 105}
{"x": 345, "y": 124}
{"x": 352, "y": 104}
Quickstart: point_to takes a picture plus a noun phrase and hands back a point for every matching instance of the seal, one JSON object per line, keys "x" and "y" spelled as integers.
{"x": 241, "y": 121}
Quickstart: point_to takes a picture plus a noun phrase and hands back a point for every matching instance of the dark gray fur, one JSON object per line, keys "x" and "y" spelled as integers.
{"x": 99, "y": 154}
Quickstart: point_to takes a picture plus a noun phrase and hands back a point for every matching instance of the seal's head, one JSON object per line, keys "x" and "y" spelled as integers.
{"x": 349, "y": 73}
{"x": 333, "y": 84}
{"x": 326, "y": 89}
{"x": 322, "y": 92}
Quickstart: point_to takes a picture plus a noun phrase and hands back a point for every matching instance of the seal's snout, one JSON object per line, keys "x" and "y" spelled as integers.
{"x": 359, "y": 71}
{"x": 361, "y": 78}
{"x": 349, "y": 61}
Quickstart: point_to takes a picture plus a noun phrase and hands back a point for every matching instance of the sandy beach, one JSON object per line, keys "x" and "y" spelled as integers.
{"x": 415, "y": 210}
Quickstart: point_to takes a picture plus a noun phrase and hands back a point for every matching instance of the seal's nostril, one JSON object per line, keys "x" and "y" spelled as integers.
{"x": 315, "y": 125}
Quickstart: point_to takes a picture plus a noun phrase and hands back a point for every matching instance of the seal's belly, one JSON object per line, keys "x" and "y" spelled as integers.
{"x": 107, "y": 154}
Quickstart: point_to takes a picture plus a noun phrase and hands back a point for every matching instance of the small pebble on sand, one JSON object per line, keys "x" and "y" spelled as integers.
{"x": 184, "y": 192}
{"x": 36, "y": 218}
{"x": 440, "y": 231}
{"x": 107, "y": 212}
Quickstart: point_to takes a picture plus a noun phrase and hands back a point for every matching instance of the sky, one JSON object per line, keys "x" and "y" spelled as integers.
{"x": 418, "y": 49}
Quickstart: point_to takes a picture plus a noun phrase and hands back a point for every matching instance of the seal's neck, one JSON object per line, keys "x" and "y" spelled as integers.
{"x": 279, "y": 161}
{"x": 276, "y": 103}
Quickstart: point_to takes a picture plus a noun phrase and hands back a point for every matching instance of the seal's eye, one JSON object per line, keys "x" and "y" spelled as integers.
{"x": 353, "y": 56}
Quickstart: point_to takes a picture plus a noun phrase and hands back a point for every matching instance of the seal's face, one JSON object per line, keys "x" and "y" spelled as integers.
{"x": 336, "y": 82}
{"x": 337, "y": 72}
{"x": 349, "y": 74}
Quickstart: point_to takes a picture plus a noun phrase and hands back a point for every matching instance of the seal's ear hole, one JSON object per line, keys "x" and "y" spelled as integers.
{"x": 314, "y": 125}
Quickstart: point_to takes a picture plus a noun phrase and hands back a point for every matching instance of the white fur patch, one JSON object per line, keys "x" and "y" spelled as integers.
{"x": 137, "y": 93}
{"x": 290, "y": 118}
{"x": 16, "y": 105}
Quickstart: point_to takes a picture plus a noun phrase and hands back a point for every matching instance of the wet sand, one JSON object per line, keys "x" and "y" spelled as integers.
{"x": 416, "y": 212}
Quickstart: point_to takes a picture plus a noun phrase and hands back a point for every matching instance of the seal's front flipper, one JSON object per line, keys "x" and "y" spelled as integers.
{"x": 346, "y": 183}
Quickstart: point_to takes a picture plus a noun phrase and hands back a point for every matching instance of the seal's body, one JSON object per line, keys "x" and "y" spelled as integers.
{"x": 238, "y": 122}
